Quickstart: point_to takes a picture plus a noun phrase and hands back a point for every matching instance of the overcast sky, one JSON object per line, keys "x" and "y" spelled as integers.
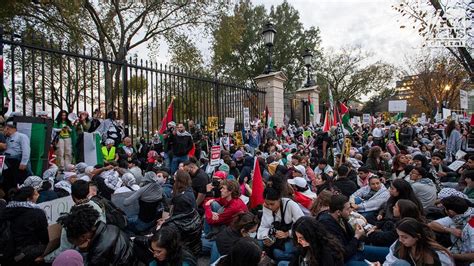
{"x": 372, "y": 24}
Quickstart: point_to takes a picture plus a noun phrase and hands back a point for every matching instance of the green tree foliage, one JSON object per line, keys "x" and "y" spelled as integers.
{"x": 239, "y": 51}
{"x": 350, "y": 74}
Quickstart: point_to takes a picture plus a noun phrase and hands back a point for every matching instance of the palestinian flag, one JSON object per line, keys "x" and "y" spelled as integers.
{"x": 92, "y": 149}
{"x": 256, "y": 198}
{"x": 269, "y": 119}
{"x": 167, "y": 118}
{"x": 39, "y": 137}
{"x": 346, "y": 122}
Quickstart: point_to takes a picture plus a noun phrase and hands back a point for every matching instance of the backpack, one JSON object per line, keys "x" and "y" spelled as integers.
{"x": 7, "y": 245}
{"x": 113, "y": 214}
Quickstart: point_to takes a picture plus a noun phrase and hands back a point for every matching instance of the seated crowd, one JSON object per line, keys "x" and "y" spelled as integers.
{"x": 387, "y": 202}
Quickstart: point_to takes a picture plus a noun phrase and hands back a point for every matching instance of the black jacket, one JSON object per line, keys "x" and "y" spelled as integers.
{"x": 29, "y": 226}
{"x": 327, "y": 258}
{"x": 345, "y": 237}
{"x": 110, "y": 246}
{"x": 182, "y": 144}
{"x": 225, "y": 239}
{"x": 385, "y": 237}
{"x": 189, "y": 227}
{"x": 346, "y": 186}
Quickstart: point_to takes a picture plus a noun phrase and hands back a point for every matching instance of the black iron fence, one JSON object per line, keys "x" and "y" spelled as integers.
{"x": 40, "y": 75}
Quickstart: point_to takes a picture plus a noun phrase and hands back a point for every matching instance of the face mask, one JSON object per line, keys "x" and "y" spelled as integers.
{"x": 253, "y": 235}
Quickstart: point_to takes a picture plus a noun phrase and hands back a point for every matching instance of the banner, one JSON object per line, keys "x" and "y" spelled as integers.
{"x": 215, "y": 155}
{"x": 463, "y": 99}
{"x": 212, "y": 123}
{"x": 54, "y": 208}
{"x": 397, "y": 106}
{"x": 246, "y": 118}
{"x": 229, "y": 125}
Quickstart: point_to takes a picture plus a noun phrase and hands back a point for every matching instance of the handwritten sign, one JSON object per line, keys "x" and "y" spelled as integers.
{"x": 212, "y": 123}
{"x": 54, "y": 208}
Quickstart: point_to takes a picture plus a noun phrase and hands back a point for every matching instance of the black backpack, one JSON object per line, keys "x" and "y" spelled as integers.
{"x": 113, "y": 214}
{"x": 7, "y": 244}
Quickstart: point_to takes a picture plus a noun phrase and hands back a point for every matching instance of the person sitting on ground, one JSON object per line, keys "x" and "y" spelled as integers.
{"x": 385, "y": 233}
{"x": 363, "y": 175}
{"x": 128, "y": 184}
{"x": 278, "y": 215}
{"x": 221, "y": 211}
{"x": 469, "y": 179}
{"x": 302, "y": 193}
{"x": 424, "y": 188}
{"x": 321, "y": 204}
{"x": 323, "y": 167}
{"x": 459, "y": 225}
{"x": 28, "y": 228}
{"x": 368, "y": 199}
{"x": 245, "y": 224}
{"x": 336, "y": 221}
{"x": 441, "y": 171}
{"x": 149, "y": 198}
{"x": 416, "y": 246}
{"x": 399, "y": 189}
{"x": 246, "y": 251}
{"x": 101, "y": 244}
{"x": 342, "y": 183}
{"x": 166, "y": 249}
{"x": 316, "y": 245}
{"x": 322, "y": 182}
{"x": 108, "y": 151}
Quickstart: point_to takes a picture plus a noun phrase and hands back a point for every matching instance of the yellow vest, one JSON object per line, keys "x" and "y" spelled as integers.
{"x": 108, "y": 155}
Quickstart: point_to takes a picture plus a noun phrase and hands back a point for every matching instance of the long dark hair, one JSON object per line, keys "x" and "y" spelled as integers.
{"x": 60, "y": 115}
{"x": 405, "y": 191}
{"x": 244, "y": 221}
{"x": 319, "y": 240}
{"x": 168, "y": 238}
{"x": 409, "y": 209}
{"x": 396, "y": 162}
{"x": 425, "y": 243}
{"x": 182, "y": 181}
{"x": 450, "y": 127}
{"x": 245, "y": 252}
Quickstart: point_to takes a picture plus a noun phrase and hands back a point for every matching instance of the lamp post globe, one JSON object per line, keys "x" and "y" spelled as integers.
{"x": 268, "y": 34}
{"x": 308, "y": 59}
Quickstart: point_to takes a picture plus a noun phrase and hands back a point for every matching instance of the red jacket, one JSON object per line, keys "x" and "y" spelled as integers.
{"x": 231, "y": 208}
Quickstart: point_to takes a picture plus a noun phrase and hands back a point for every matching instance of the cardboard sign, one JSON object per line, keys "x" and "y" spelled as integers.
{"x": 366, "y": 118}
{"x": 397, "y": 106}
{"x": 356, "y": 120}
{"x": 246, "y": 118}
{"x": 215, "y": 155}
{"x": 463, "y": 99}
{"x": 212, "y": 123}
{"x": 239, "y": 141}
{"x": 456, "y": 165}
{"x": 423, "y": 118}
{"x": 229, "y": 125}
{"x": 54, "y": 208}
{"x": 446, "y": 113}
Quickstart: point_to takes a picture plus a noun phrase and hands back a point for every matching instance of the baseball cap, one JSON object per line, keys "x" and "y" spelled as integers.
{"x": 298, "y": 181}
{"x": 219, "y": 175}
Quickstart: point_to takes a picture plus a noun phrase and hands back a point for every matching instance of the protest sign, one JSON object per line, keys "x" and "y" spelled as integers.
{"x": 366, "y": 118}
{"x": 54, "y": 208}
{"x": 397, "y": 106}
{"x": 246, "y": 118}
{"x": 212, "y": 123}
{"x": 229, "y": 125}
{"x": 215, "y": 155}
{"x": 238, "y": 138}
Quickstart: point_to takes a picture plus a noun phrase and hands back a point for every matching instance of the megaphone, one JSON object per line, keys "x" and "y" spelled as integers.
{"x": 72, "y": 117}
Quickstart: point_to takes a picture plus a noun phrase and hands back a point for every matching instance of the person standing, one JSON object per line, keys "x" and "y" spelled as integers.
{"x": 183, "y": 143}
{"x": 196, "y": 133}
{"x": 63, "y": 128}
{"x": 17, "y": 157}
{"x": 453, "y": 140}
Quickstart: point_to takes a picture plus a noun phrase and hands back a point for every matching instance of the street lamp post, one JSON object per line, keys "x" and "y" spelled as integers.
{"x": 308, "y": 58}
{"x": 268, "y": 36}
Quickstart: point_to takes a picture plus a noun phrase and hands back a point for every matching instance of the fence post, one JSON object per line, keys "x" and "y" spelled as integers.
{"x": 125, "y": 96}
{"x": 216, "y": 96}
{"x": 2, "y": 100}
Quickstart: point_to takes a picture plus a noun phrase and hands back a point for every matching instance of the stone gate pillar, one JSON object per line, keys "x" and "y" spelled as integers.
{"x": 273, "y": 84}
{"x": 304, "y": 95}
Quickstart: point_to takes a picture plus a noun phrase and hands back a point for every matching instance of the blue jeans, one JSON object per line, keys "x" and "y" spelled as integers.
{"x": 176, "y": 161}
{"x": 214, "y": 253}
{"x": 137, "y": 226}
{"x": 286, "y": 254}
{"x": 215, "y": 207}
{"x": 370, "y": 253}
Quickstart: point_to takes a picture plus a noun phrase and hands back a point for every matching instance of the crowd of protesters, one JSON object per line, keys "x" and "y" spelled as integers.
{"x": 397, "y": 196}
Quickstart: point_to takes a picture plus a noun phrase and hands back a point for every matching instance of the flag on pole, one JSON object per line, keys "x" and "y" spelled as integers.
{"x": 311, "y": 106}
{"x": 343, "y": 108}
{"x": 327, "y": 122}
{"x": 256, "y": 198}
{"x": 167, "y": 118}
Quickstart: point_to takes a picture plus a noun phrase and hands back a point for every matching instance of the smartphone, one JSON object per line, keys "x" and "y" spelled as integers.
{"x": 368, "y": 262}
